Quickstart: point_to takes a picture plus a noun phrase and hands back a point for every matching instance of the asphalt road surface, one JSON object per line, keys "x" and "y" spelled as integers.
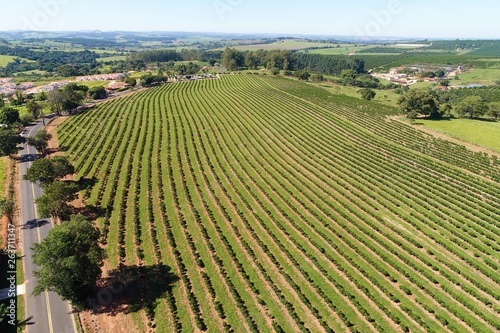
{"x": 47, "y": 313}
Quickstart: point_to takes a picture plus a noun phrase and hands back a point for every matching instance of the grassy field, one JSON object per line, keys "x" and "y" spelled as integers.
{"x": 388, "y": 97}
{"x": 285, "y": 45}
{"x": 92, "y": 84}
{"x": 5, "y": 59}
{"x": 32, "y": 72}
{"x": 3, "y": 176}
{"x": 270, "y": 205}
{"x": 343, "y": 49}
{"x": 478, "y": 132}
{"x": 114, "y": 58}
{"x": 483, "y": 76}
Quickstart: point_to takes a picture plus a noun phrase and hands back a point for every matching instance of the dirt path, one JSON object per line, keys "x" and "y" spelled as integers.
{"x": 51, "y": 128}
{"x": 91, "y": 322}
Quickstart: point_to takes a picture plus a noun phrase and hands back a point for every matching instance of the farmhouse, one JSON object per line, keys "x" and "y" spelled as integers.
{"x": 113, "y": 86}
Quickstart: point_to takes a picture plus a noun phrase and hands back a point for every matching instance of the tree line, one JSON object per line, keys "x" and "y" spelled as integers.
{"x": 234, "y": 59}
{"x": 430, "y": 104}
{"x": 74, "y": 242}
{"x": 48, "y": 61}
{"x": 138, "y": 60}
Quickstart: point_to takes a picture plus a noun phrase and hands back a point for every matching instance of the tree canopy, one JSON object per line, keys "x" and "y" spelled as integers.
{"x": 232, "y": 59}
{"x": 45, "y": 171}
{"x": 54, "y": 200}
{"x": 303, "y": 75}
{"x": 420, "y": 101}
{"x": 367, "y": 94}
{"x": 70, "y": 261}
{"x": 9, "y": 116}
{"x": 472, "y": 107}
{"x": 98, "y": 93}
{"x": 495, "y": 111}
{"x": 9, "y": 141}
{"x": 34, "y": 108}
{"x": 68, "y": 98}
{"x": 40, "y": 141}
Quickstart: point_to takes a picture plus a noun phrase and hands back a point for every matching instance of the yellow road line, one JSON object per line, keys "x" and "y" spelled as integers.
{"x": 47, "y": 302}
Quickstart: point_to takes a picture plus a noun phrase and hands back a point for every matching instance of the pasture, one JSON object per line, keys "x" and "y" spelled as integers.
{"x": 287, "y": 44}
{"x": 5, "y": 59}
{"x": 483, "y": 133}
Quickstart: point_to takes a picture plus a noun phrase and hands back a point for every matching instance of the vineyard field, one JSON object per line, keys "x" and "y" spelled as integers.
{"x": 279, "y": 207}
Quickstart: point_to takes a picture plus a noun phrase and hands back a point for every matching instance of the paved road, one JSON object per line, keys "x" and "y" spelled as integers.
{"x": 47, "y": 312}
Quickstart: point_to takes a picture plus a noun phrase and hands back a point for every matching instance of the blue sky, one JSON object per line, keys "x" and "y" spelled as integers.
{"x": 402, "y": 18}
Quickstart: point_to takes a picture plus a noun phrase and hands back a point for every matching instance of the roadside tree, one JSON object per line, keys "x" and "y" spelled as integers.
{"x": 9, "y": 116}
{"x": 9, "y": 141}
{"x": 34, "y": 109}
{"x": 54, "y": 201}
{"x": 97, "y": 93}
{"x": 44, "y": 171}
{"x": 40, "y": 141}
{"x": 70, "y": 261}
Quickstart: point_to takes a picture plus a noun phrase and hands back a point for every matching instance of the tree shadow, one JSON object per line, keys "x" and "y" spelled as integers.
{"x": 32, "y": 224}
{"x": 27, "y": 158}
{"x": 92, "y": 213}
{"x": 86, "y": 183}
{"x": 129, "y": 289}
{"x": 50, "y": 151}
{"x": 486, "y": 120}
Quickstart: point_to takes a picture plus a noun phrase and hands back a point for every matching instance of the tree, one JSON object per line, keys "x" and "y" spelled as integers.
{"x": 444, "y": 83}
{"x": 495, "y": 111}
{"x": 131, "y": 81}
{"x": 252, "y": 60}
{"x": 419, "y": 101}
{"x": 232, "y": 59}
{"x": 429, "y": 74}
{"x": 40, "y": 141}
{"x": 275, "y": 71}
{"x": 74, "y": 95}
{"x": 97, "y": 93}
{"x": 348, "y": 74}
{"x": 34, "y": 108}
{"x": 45, "y": 171}
{"x": 54, "y": 201}
{"x": 303, "y": 75}
{"x": 7, "y": 208}
{"x": 367, "y": 94}
{"x": 318, "y": 78}
{"x": 42, "y": 97}
{"x": 2, "y": 103}
{"x": 446, "y": 109}
{"x": 9, "y": 116}
{"x": 70, "y": 261}
{"x": 9, "y": 141}
{"x": 17, "y": 99}
{"x": 3, "y": 315}
{"x": 440, "y": 73}
{"x": 68, "y": 98}
{"x": 472, "y": 107}
{"x": 55, "y": 100}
